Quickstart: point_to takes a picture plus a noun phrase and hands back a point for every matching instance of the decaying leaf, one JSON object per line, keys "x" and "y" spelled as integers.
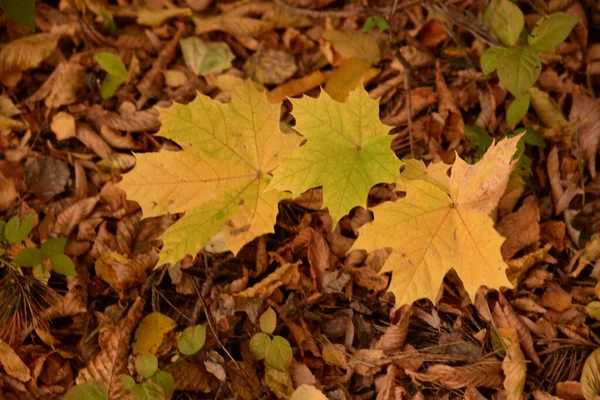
{"x": 486, "y": 373}
{"x": 220, "y": 176}
{"x": 348, "y": 151}
{"x": 12, "y": 363}
{"x": 150, "y": 332}
{"x": 27, "y": 52}
{"x": 448, "y": 230}
{"x": 157, "y": 17}
{"x": 513, "y": 365}
{"x": 205, "y": 58}
{"x": 268, "y": 66}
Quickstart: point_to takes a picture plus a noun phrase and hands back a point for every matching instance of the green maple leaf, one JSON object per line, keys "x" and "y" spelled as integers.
{"x": 347, "y": 151}
{"x": 220, "y": 176}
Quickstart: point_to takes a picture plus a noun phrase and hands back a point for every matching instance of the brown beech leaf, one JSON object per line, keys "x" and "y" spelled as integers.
{"x": 27, "y": 52}
{"x": 191, "y": 377}
{"x": 520, "y": 228}
{"x": 46, "y": 176}
{"x": 486, "y": 373}
{"x": 587, "y": 110}
{"x": 271, "y": 67}
{"x": 111, "y": 361}
{"x": 513, "y": 365}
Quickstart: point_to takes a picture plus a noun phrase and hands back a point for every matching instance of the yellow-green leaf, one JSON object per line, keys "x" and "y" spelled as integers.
{"x": 490, "y": 57}
{"x": 518, "y": 109}
{"x": 146, "y": 364}
{"x": 268, "y": 321}
{"x": 279, "y": 353}
{"x": 551, "y": 30}
{"x": 347, "y": 153}
{"x": 590, "y": 376}
{"x": 518, "y": 69}
{"x": 507, "y": 22}
{"x": 593, "y": 308}
{"x": 150, "y": 332}
{"x": 206, "y": 58}
{"x": 431, "y": 231}
{"x": 259, "y": 344}
{"x": 346, "y": 78}
{"x": 192, "y": 339}
{"x": 220, "y": 176}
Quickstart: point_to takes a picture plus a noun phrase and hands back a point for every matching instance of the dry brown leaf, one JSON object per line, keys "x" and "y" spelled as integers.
{"x": 8, "y": 192}
{"x": 118, "y": 271}
{"x": 506, "y": 317}
{"x": 301, "y": 374}
{"x": 111, "y": 361}
{"x": 74, "y": 301}
{"x": 7, "y": 107}
{"x": 285, "y": 275}
{"x": 454, "y": 124}
{"x": 46, "y": 176}
{"x": 10, "y": 124}
{"x": 486, "y": 373}
{"x": 62, "y": 86}
{"x": 556, "y": 298}
{"x": 63, "y": 125}
{"x": 386, "y": 387}
{"x": 367, "y": 362}
{"x": 347, "y": 77}
{"x": 68, "y": 220}
{"x": 395, "y": 335}
{"x": 137, "y": 121}
{"x": 157, "y": 17}
{"x": 539, "y": 395}
{"x": 270, "y": 67}
{"x": 12, "y": 363}
{"x": 191, "y": 377}
{"x": 27, "y": 52}
{"x": 334, "y": 354}
{"x": 520, "y": 228}
{"x": 92, "y": 140}
{"x": 421, "y": 98}
{"x": 296, "y": 87}
{"x": 239, "y": 26}
{"x": 586, "y": 110}
{"x": 513, "y": 365}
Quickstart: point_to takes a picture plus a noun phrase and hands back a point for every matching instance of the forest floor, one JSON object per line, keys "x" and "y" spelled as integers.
{"x": 67, "y": 138}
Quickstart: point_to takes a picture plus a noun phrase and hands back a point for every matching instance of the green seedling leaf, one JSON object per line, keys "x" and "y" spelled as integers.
{"x": 146, "y": 364}
{"x": 166, "y": 381}
{"x": 530, "y": 137}
{"x": 507, "y": 22}
{"x": 116, "y": 73}
{"x": 377, "y": 21}
{"x": 112, "y": 64}
{"x": 112, "y": 26}
{"x": 478, "y": 139}
{"x": 279, "y": 353}
{"x": 347, "y": 153}
{"x": 28, "y": 257}
{"x": 220, "y": 176}
{"x": 63, "y": 264}
{"x": 550, "y": 31}
{"x": 204, "y": 58}
{"x": 127, "y": 381}
{"x": 518, "y": 109}
{"x": 41, "y": 273}
{"x": 53, "y": 246}
{"x": 148, "y": 391}
{"x": 192, "y": 339}
{"x": 490, "y": 57}
{"x": 518, "y": 70}
{"x": 268, "y": 321}
{"x": 17, "y": 229}
{"x": 259, "y": 344}
{"x": 87, "y": 391}
{"x": 22, "y": 11}
{"x": 593, "y": 309}
{"x": 369, "y": 24}
{"x": 590, "y": 384}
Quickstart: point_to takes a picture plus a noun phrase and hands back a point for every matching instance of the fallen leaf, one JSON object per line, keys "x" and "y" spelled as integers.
{"x": 118, "y": 271}
{"x": 586, "y": 110}
{"x": 12, "y": 363}
{"x": 590, "y": 376}
{"x": 307, "y": 392}
{"x": 27, "y": 52}
{"x": 352, "y": 44}
{"x": 346, "y": 78}
{"x": 157, "y": 17}
{"x": 520, "y": 228}
{"x": 345, "y": 140}
{"x": 46, "y": 176}
{"x": 220, "y": 176}
{"x": 296, "y": 87}
{"x": 513, "y": 365}
{"x": 270, "y": 67}
{"x": 238, "y": 26}
{"x": 206, "y": 58}
{"x": 190, "y": 377}
{"x": 486, "y": 373}
{"x": 431, "y": 231}
{"x": 63, "y": 125}
{"x": 150, "y": 332}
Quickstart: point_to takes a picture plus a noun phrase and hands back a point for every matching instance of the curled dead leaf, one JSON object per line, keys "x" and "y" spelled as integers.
{"x": 486, "y": 373}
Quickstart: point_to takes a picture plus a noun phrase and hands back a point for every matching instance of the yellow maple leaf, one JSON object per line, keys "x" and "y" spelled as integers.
{"x": 220, "y": 176}
{"x": 441, "y": 225}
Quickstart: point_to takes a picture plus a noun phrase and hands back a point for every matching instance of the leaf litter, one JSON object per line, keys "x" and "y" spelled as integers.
{"x": 361, "y": 324}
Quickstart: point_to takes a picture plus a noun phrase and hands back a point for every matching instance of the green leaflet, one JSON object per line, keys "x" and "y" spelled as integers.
{"x": 518, "y": 69}
{"x": 507, "y": 22}
{"x": 551, "y": 31}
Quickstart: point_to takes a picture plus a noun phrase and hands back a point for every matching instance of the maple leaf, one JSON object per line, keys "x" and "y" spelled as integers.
{"x": 220, "y": 176}
{"x": 348, "y": 151}
{"x": 437, "y": 227}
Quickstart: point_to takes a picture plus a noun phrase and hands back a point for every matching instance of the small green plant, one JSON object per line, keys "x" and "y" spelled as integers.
{"x": 376, "y": 21}
{"x": 111, "y": 26}
{"x": 22, "y": 11}
{"x": 155, "y": 384}
{"x": 16, "y": 231}
{"x": 276, "y": 353}
{"x": 116, "y": 73}
{"x": 518, "y": 64}
{"x": 479, "y": 141}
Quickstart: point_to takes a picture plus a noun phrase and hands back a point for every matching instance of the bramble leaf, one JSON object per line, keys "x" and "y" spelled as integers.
{"x": 219, "y": 178}
{"x": 192, "y": 339}
{"x": 259, "y": 344}
{"x": 17, "y": 229}
{"x": 279, "y": 353}
{"x": 431, "y": 230}
{"x": 86, "y": 391}
{"x": 348, "y": 151}
{"x": 490, "y": 57}
{"x": 28, "y": 257}
{"x": 53, "y": 246}
{"x": 146, "y": 364}
{"x": 518, "y": 70}
{"x": 550, "y": 31}
{"x": 507, "y": 22}
{"x": 518, "y": 109}
{"x": 63, "y": 264}
{"x": 166, "y": 381}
